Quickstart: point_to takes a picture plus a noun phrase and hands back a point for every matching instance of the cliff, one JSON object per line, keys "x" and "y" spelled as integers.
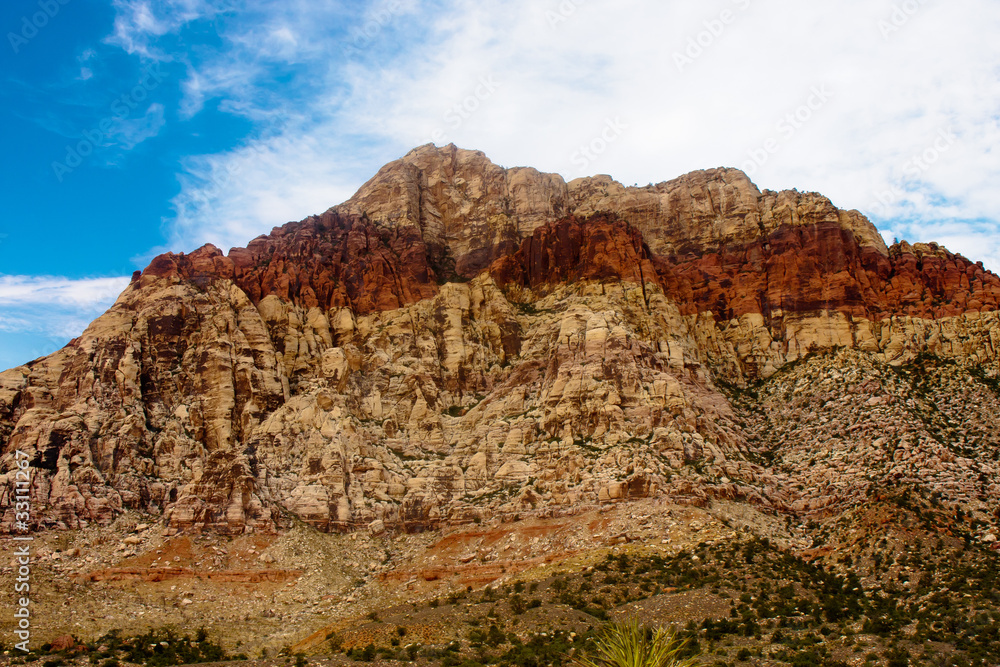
{"x": 460, "y": 340}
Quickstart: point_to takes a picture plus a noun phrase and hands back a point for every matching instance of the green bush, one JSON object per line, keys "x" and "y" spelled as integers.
{"x": 369, "y": 653}
{"x": 495, "y": 637}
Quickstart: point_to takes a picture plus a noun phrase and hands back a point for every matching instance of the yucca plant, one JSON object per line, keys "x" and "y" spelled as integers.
{"x": 628, "y": 643}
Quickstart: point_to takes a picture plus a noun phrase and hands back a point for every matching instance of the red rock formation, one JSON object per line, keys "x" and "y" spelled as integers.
{"x": 820, "y": 268}
{"x": 329, "y": 261}
{"x": 795, "y": 269}
{"x": 598, "y": 248}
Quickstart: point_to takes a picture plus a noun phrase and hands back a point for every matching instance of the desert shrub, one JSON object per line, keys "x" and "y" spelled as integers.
{"x": 495, "y": 637}
{"x": 368, "y": 654}
{"x": 630, "y": 644}
{"x": 158, "y": 648}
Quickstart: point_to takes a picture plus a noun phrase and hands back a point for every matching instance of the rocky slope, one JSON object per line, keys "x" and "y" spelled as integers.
{"x": 461, "y": 341}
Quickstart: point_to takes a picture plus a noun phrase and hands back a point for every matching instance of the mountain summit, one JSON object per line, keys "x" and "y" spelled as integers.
{"x": 460, "y": 342}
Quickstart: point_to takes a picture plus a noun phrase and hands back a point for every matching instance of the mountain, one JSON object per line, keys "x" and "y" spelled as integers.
{"x": 460, "y": 343}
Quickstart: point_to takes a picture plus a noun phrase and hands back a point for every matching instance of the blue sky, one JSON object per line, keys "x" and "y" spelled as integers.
{"x": 132, "y": 127}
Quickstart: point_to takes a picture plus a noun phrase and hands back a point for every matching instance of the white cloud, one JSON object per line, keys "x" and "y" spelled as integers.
{"x": 54, "y": 306}
{"x": 84, "y": 293}
{"x": 561, "y": 79}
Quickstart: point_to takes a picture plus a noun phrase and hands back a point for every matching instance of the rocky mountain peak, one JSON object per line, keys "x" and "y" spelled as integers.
{"x": 472, "y": 211}
{"x": 461, "y": 340}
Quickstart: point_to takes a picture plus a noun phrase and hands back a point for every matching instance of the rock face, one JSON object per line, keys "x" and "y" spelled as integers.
{"x": 570, "y": 250}
{"x": 327, "y": 262}
{"x": 468, "y": 210}
{"x": 460, "y": 340}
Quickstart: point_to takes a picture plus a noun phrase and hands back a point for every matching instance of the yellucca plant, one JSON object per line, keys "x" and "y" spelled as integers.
{"x": 628, "y": 643}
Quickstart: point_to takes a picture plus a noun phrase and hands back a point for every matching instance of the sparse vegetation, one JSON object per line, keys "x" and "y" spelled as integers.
{"x": 919, "y": 592}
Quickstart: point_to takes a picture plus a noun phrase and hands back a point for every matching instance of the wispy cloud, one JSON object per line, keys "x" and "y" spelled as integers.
{"x": 54, "y": 306}
{"x": 139, "y": 24}
{"x": 130, "y": 132}
{"x": 84, "y": 293}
